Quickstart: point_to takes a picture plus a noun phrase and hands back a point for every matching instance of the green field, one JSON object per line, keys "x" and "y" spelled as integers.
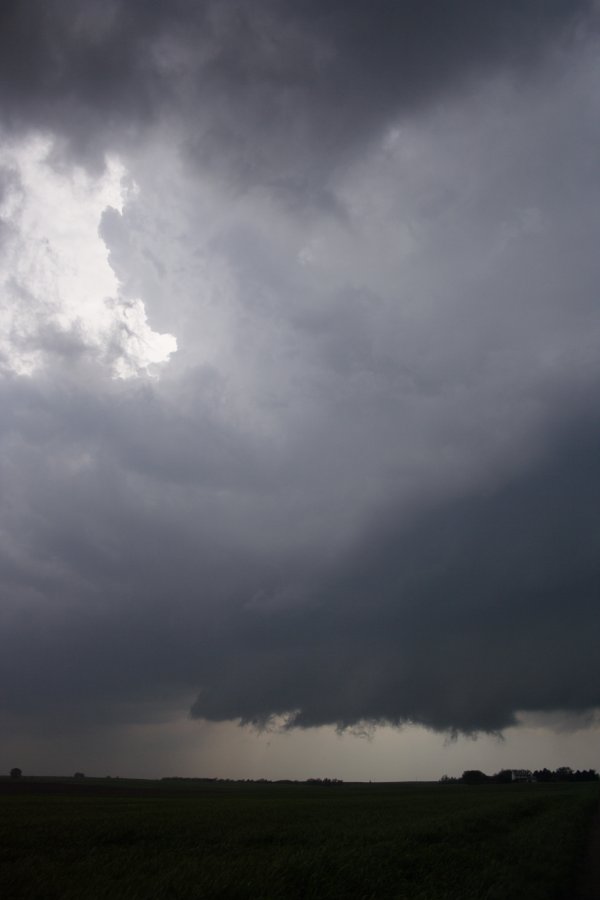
{"x": 116, "y": 839}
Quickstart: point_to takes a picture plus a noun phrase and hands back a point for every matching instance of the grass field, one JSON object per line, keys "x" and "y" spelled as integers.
{"x": 143, "y": 840}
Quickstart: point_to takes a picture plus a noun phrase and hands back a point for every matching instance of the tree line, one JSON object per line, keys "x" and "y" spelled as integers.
{"x": 508, "y": 776}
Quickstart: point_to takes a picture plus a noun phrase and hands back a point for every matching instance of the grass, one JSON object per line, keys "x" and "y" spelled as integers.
{"x": 182, "y": 840}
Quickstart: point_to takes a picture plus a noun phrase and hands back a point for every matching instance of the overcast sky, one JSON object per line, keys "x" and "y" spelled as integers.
{"x": 299, "y": 378}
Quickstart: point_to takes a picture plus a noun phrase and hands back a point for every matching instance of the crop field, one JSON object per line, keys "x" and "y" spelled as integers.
{"x": 115, "y": 839}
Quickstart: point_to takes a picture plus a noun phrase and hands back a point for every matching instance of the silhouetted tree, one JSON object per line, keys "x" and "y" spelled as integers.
{"x": 15, "y": 773}
{"x": 504, "y": 776}
{"x": 474, "y": 776}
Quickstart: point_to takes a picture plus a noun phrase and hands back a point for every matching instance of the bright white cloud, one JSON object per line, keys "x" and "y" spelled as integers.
{"x": 58, "y": 289}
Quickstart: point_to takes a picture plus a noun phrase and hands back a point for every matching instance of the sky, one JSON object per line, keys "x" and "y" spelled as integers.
{"x": 299, "y": 373}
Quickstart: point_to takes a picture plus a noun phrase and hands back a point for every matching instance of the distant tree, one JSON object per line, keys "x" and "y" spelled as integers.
{"x": 504, "y": 776}
{"x": 15, "y": 773}
{"x": 325, "y": 781}
{"x": 78, "y": 775}
{"x": 474, "y": 776}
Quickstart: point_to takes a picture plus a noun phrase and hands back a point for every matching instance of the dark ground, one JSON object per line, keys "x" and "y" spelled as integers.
{"x": 363, "y": 799}
{"x": 589, "y": 888}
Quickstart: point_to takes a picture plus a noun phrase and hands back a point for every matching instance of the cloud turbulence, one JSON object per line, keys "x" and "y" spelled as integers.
{"x": 364, "y": 487}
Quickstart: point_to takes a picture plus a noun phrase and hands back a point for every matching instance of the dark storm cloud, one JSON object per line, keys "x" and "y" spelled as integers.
{"x": 269, "y": 91}
{"x": 366, "y": 487}
{"x": 486, "y": 606}
{"x": 120, "y": 589}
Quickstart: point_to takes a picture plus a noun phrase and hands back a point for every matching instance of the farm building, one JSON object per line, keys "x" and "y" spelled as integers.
{"x": 521, "y": 775}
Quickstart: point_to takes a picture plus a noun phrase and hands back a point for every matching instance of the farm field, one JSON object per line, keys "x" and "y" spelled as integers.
{"x": 113, "y": 838}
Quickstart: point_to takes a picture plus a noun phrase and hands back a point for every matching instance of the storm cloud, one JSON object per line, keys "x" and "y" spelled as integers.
{"x": 279, "y": 93}
{"x": 364, "y": 487}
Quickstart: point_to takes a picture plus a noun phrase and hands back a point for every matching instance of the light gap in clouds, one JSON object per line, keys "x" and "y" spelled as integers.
{"x": 60, "y": 294}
